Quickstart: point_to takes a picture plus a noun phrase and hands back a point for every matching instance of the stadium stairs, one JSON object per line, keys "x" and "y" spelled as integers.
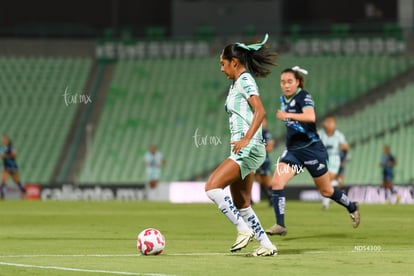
{"x": 75, "y": 149}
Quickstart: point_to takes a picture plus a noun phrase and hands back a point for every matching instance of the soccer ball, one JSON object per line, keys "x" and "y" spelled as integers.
{"x": 150, "y": 242}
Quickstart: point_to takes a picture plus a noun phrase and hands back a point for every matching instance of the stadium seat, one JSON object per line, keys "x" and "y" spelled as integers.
{"x": 34, "y": 112}
{"x": 164, "y": 101}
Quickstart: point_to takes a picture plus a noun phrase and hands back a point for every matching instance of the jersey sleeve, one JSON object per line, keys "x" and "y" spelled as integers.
{"x": 342, "y": 139}
{"x": 307, "y": 101}
{"x": 319, "y": 132}
{"x": 146, "y": 158}
{"x": 249, "y": 86}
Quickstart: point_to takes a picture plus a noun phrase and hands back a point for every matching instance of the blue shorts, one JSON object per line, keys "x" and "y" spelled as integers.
{"x": 265, "y": 168}
{"x": 313, "y": 157}
{"x": 11, "y": 170}
{"x": 387, "y": 177}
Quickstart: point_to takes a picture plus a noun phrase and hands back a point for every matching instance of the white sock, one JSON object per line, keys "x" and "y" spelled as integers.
{"x": 226, "y": 206}
{"x": 251, "y": 219}
{"x": 326, "y": 201}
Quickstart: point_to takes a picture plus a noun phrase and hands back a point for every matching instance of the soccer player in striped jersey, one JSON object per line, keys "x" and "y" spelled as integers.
{"x": 153, "y": 161}
{"x": 335, "y": 142}
{"x": 8, "y": 154}
{"x": 304, "y": 149}
{"x": 241, "y": 63}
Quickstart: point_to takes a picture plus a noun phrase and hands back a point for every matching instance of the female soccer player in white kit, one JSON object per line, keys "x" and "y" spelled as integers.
{"x": 240, "y": 63}
{"x": 334, "y": 142}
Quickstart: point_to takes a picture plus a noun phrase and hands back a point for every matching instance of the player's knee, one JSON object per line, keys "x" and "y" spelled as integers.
{"x": 326, "y": 192}
{"x": 276, "y": 185}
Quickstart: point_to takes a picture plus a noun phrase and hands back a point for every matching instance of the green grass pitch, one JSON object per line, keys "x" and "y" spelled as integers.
{"x": 90, "y": 238}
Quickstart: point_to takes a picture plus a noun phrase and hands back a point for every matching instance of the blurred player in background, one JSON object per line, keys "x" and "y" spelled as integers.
{"x": 304, "y": 149}
{"x": 241, "y": 63}
{"x": 335, "y": 143}
{"x": 154, "y": 161}
{"x": 263, "y": 174}
{"x": 8, "y": 154}
{"x": 343, "y": 156}
{"x": 388, "y": 162}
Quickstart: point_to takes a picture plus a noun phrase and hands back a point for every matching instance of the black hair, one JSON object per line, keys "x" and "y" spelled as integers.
{"x": 297, "y": 75}
{"x": 256, "y": 62}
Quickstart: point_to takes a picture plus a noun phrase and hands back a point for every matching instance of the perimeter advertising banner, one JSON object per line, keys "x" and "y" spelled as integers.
{"x": 362, "y": 194}
{"x": 193, "y": 192}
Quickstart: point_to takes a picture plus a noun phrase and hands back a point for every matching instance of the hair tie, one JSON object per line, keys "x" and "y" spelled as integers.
{"x": 253, "y": 47}
{"x": 301, "y": 70}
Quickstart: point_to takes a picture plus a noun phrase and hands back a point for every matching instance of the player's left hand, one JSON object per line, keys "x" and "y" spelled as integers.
{"x": 238, "y": 145}
{"x": 281, "y": 115}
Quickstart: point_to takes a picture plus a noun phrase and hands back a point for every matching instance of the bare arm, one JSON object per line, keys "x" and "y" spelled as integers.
{"x": 345, "y": 147}
{"x": 270, "y": 145}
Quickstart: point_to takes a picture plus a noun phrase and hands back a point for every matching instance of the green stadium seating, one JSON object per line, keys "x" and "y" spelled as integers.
{"x": 165, "y": 101}
{"x": 33, "y": 109}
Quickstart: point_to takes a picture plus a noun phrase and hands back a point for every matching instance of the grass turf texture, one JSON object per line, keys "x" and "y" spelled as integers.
{"x": 100, "y": 236}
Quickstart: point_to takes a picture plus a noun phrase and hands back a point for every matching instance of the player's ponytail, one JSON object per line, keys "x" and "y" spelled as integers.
{"x": 257, "y": 58}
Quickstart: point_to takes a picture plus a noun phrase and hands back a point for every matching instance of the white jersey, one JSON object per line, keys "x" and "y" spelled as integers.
{"x": 333, "y": 147}
{"x": 239, "y": 110}
{"x": 153, "y": 160}
{"x": 332, "y": 143}
{"x": 154, "y": 163}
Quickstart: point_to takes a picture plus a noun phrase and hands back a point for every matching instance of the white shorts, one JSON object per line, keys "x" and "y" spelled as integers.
{"x": 153, "y": 173}
{"x": 333, "y": 164}
{"x": 249, "y": 158}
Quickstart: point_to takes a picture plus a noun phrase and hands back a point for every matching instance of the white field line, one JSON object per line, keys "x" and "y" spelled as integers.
{"x": 46, "y": 267}
{"x": 191, "y": 254}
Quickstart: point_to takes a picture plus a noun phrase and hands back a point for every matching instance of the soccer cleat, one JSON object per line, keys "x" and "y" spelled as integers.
{"x": 263, "y": 252}
{"x": 277, "y": 230}
{"x": 355, "y": 216}
{"x": 242, "y": 240}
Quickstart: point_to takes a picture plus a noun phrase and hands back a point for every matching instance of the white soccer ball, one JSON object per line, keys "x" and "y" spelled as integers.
{"x": 150, "y": 242}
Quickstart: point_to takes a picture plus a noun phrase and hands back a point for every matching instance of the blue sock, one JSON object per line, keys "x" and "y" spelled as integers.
{"x": 279, "y": 200}
{"x": 2, "y": 190}
{"x": 340, "y": 197}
